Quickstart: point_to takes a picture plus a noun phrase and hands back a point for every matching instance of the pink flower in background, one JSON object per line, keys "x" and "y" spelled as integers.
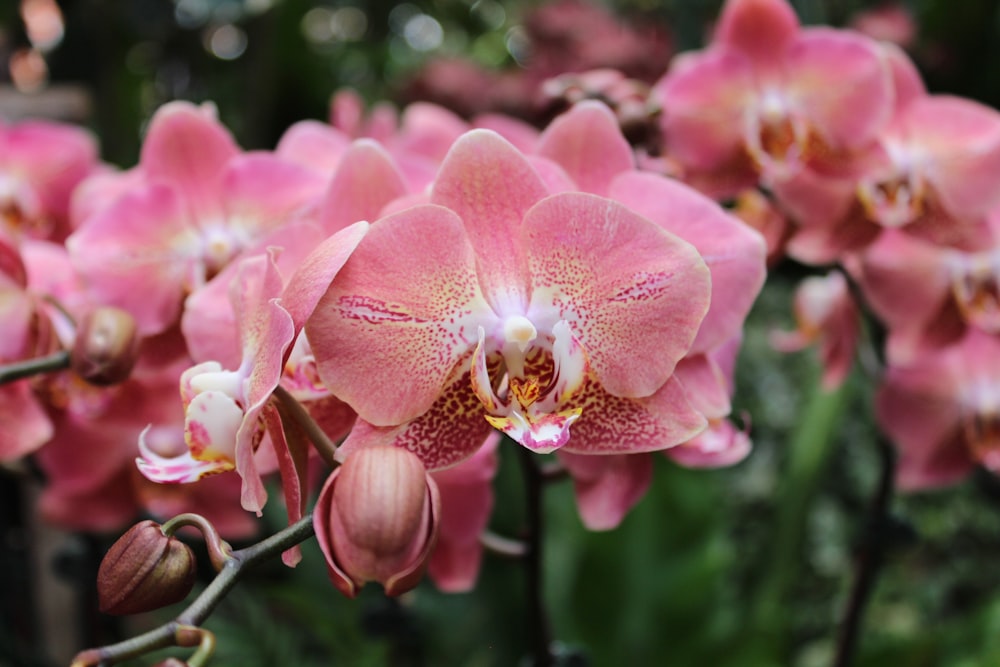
{"x": 466, "y": 504}
{"x": 942, "y": 411}
{"x": 515, "y": 309}
{"x": 929, "y": 294}
{"x": 825, "y": 314}
{"x": 40, "y": 164}
{"x": 758, "y": 103}
{"x": 197, "y": 203}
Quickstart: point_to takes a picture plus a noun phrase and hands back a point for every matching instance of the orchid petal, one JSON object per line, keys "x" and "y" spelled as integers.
{"x": 762, "y": 29}
{"x": 634, "y": 294}
{"x": 588, "y": 144}
{"x": 733, "y": 251}
{"x": 490, "y": 185}
{"x": 365, "y": 181}
{"x": 138, "y": 254}
{"x": 607, "y": 487}
{"x": 187, "y": 148}
{"x": 391, "y": 315}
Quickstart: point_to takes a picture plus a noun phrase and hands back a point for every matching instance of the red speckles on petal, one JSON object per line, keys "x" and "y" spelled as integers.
{"x": 647, "y": 286}
{"x": 373, "y": 311}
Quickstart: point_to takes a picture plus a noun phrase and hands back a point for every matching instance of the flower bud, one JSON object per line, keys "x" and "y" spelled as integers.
{"x": 377, "y": 520}
{"x": 106, "y": 346}
{"x": 144, "y": 570}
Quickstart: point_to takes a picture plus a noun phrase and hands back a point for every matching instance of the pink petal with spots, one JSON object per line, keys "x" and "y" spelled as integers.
{"x": 613, "y": 425}
{"x": 188, "y": 148}
{"x": 704, "y": 102}
{"x": 762, "y": 29}
{"x": 393, "y": 325}
{"x": 138, "y": 254}
{"x": 607, "y": 487}
{"x": 266, "y": 332}
{"x": 633, "y": 294}
{"x": 853, "y": 112}
{"x": 313, "y": 276}
{"x": 366, "y": 180}
{"x": 490, "y": 185}
{"x": 588, "y": 144}
{"x": 734, "y": 252}
{"x": 449, "y": 432}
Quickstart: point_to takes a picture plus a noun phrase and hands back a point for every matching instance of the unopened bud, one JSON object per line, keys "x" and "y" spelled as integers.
{"x": 144, "y": 570}
{"x": 377, "y": 520}
{"x": 106, "y": 346}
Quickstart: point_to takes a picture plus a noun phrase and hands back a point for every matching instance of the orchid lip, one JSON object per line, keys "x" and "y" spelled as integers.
{"x": 530, "y": 401}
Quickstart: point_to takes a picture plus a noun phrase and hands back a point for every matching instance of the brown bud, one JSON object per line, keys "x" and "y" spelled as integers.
{"x": 144, "y": 570}
{"x": 106, "y": 346}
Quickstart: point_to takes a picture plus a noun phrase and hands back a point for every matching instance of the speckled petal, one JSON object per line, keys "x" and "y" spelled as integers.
{"x": 403, "y": 311}
{"x": 633, "y": 294}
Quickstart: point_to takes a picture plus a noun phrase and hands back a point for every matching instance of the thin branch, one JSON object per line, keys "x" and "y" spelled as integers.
{"x": 870, "y": 557}
{"x": 539, "y": 630}
{"x": 58, "y": 361}
{"x": 204, "y": 604}
{"x": 326, "y": 447}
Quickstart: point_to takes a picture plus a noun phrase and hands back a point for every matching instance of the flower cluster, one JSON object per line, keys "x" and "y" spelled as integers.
{"x": 896, "y": 186}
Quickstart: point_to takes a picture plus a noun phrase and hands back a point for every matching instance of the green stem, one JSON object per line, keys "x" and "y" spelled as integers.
{"x": 204, "y": 604}
{"x": 290, "y": 406}
{"x": 539, "y": 630}
{"x": 809, "y": 450}
{"x": 57, "y": 361}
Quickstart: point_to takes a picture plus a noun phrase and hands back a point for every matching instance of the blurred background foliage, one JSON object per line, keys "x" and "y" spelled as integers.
{"x": 739, "y": 567}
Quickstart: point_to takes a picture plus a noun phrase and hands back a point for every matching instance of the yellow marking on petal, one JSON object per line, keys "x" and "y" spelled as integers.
{"x": 525, "y": 390}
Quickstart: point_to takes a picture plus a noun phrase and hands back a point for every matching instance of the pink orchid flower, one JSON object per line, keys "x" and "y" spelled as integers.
{"x": 758, "y": 103}
{"x": 198, "y": 202}
{"x": 825, "y": 314}
{"x": 223, "y": 408}
{"x": 943, "y": 411}
{"x": 929, "y": 294}
{"x": 40, "y": 164}
{"x": 515, "y": 309}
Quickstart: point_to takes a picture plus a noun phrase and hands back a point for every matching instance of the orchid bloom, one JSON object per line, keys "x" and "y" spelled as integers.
{"x": 514, "y": 309}
{"x": 943, "y": 411}
{"x": 758, "y": 100}
{"x": 223, "y": 408}
{"x": 40, "y": 164}
{"x": 825, "y": 313}
{"x": 195, "y": 205}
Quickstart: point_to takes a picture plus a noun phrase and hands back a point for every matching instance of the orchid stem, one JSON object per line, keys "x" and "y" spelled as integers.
{"x": 19, "y": 370}
{"x": 539, "y": 629}
{"x": 204, "y": 604}
{"x": 326, "y": 447}
{"x": 870, "y": 557}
